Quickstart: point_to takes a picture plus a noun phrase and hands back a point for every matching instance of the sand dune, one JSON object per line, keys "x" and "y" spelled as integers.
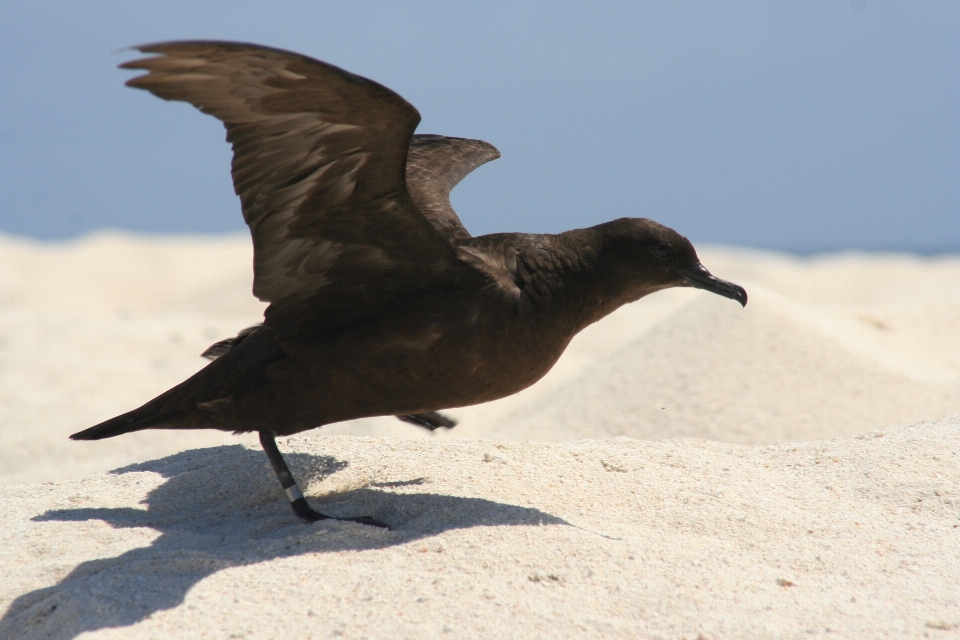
{"x": 769, "y": 374}
{"x": 839, "y": 517}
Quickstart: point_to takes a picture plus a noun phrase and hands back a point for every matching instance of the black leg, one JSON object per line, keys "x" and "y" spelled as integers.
{"x": 297, "y": 501}
{"x": 429, "y": 420}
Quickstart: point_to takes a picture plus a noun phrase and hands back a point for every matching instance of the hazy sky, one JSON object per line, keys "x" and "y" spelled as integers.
{"x": 792, "y": 125}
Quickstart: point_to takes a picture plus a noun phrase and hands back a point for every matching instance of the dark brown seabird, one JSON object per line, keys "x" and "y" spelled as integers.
{"x": 381, "y": 302}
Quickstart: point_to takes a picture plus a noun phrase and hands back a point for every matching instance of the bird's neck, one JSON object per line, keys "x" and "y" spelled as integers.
{"x": 565, "y": 281}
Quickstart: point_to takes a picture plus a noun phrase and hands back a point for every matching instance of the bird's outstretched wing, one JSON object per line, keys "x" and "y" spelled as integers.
{"x": 435, "y": 165}
{"x": 319, "y": 163}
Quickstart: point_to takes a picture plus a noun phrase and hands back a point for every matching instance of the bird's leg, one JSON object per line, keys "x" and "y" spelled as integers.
{"x": 297, "y": 501}
{"x": 428, "y": 420}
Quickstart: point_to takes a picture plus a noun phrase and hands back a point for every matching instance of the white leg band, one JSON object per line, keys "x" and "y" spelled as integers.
{"x": 294, "y": 493}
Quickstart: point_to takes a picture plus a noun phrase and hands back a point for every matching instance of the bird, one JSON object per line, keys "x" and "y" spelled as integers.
{"x": 381, "y": 303}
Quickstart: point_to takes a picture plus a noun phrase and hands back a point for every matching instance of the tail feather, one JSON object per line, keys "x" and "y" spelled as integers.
{"x": 126, "y": 423}
{"x": 193, "y": 404}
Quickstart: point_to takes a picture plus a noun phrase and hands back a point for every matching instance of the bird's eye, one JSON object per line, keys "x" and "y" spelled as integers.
{"x": 662, "y": 250}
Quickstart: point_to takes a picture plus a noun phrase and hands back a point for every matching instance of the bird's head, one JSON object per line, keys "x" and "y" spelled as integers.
{"x": 644, "y": 256}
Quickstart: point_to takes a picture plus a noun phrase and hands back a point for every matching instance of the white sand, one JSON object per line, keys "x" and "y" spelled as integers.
{"x": 612, "y": 537}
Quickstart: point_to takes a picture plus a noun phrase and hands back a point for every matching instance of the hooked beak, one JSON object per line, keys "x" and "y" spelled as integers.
{"x": 698, "y": 276}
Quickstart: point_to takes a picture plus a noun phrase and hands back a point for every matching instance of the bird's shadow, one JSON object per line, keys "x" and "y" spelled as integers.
{"x": 220, "y": 508}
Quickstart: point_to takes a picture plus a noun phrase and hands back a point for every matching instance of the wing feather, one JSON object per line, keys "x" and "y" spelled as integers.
{"x": 435, "y": 165}
{"x": 319, "y": 164}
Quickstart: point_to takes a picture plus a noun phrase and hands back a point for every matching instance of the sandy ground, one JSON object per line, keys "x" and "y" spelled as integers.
{"x": 688, "y": 468}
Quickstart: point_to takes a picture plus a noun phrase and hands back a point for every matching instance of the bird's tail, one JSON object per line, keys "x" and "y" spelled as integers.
{"x": 136, "y": 420}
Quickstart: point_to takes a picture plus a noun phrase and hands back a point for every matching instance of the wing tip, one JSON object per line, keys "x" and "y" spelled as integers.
{"x": 168, "y": 47}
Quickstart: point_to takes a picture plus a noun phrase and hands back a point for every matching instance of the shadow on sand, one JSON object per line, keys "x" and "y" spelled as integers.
{"x": 220, "y": 508}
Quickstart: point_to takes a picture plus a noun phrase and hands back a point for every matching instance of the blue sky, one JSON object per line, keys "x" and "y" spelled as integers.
{"x": 803, "y": 126}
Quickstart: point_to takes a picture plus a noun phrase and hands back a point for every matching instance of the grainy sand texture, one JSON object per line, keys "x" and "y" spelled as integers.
{"x": 688, "y": 469}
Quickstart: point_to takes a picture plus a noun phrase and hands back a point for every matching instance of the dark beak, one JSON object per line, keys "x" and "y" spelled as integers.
{"x": 698, "y": 276}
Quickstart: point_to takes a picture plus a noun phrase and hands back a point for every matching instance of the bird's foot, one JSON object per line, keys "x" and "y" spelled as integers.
{"x": 305, "y": 512}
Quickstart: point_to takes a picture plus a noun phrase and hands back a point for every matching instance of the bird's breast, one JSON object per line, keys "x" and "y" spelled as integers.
{"x": 420, "y": 360}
